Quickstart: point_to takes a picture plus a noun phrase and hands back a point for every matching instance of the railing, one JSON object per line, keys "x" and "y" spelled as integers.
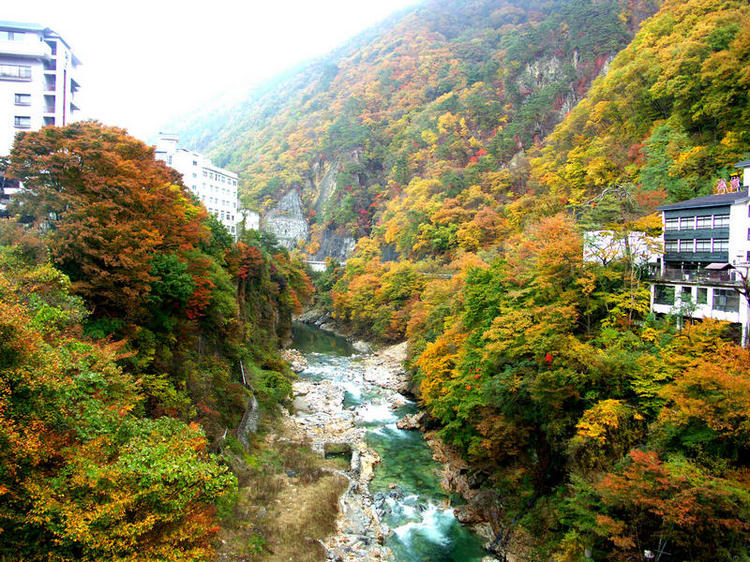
{"x": 700, "y": 275}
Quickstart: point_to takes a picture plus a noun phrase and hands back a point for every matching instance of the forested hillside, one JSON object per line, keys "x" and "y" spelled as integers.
{"x": 470, "y": 144}
{"x": 446, "y": 92}
{"x": 672, "y": 114}
{"x": 132, "y": 332}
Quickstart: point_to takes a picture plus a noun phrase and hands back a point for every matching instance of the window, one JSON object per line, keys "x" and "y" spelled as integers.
{"x": 702, "y": 295}
{"x": 721, "y": 245}
{"x": 664, "y": 294}
{"x": 22, "y": 122}
{"x": 12, "y": 35}
{"x": 726, "y": 300}
{"x": 686, "y": 246}
{"x": 748, "y": 233}
{"x": 671, "y": 245}
{"x": 672, "y": 224}
{"x": 195, "y": 162}
{"x": 15, "y": 72}
{"x": 195, "y": 175}
{"x": 23, "y": 99}
{"x": 704, "y": 222}
{"x": 687, "y": 223}
{"x": 721, "y": 221}
{"x": 686, "y": 295}
{"x": 205, "y": 174}
{"x": 703, "y": 245}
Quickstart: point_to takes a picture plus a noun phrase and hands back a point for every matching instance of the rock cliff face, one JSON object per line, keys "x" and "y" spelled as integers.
{"x": 334, "y": 246}
{"x": 321, "y": 185}
{"x": 287, "y": 221}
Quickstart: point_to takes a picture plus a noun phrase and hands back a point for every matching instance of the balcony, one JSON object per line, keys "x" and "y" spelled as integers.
{"x": 30, "y": 49}
{"x": 15, "y": 72}
{"x": 699, "y": 276}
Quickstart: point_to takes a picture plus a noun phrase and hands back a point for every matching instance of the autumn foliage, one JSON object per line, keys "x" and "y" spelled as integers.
{"x": 128, "y": 318}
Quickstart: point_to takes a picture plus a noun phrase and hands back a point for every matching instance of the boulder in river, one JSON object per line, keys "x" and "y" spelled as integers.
{"x": 296, "y": 360}
{"x": 413, "y": 421}
{"x": 362, "y": 346}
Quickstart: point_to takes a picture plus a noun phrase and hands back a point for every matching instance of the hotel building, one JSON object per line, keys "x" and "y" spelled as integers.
{"x": 38, "y": 86}
{"x": 706, "y": 254}
{"x": 214, "y": 186}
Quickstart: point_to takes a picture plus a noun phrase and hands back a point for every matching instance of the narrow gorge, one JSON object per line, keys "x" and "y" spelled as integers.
{"x": 347, "y": 402}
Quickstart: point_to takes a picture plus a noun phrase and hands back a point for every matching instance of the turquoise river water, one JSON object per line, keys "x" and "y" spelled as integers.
{"x": 417, "y": 509}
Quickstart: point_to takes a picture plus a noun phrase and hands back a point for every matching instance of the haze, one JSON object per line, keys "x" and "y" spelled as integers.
{"x": 146, "y": 62}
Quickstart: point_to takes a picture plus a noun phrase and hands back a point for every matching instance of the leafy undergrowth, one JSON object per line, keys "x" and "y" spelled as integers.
{"x": 287, "y": 500}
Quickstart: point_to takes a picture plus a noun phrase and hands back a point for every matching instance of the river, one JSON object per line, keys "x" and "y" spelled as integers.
{"x": 405, "y": 488}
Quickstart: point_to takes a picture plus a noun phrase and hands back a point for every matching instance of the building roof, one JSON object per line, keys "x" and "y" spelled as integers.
{"x": 21, "y": 26}
{"x": 709, "y": 201}
{"x": 743, "y": 164}
{"x": 50, "y": 33}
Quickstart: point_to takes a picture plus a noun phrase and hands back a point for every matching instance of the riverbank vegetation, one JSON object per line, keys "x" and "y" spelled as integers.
{"x": 595, "y": 427}
{"x": 130, "y": 320}
{"x": 287, "y": 500}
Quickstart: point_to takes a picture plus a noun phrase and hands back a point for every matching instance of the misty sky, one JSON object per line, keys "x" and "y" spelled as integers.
{"x": 145, "y": 61}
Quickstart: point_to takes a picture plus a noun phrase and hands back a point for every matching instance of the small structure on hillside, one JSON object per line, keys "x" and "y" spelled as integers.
{"x": 606, "y": 246}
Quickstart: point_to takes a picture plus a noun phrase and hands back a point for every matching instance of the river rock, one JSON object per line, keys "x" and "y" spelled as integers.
{"x": 468, "y": 514}
{"x": 362, "y": 346}
{"x": 385, "y": 368}
{"x": 296, "y": 360}
{"x": 413, "y": 421}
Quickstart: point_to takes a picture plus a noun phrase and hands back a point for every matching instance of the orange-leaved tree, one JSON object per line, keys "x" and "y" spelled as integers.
{"x": 108, "y": 207}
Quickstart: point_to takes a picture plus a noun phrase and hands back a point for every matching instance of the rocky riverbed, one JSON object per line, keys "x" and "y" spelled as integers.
{"x": 324, "y": 420}
{"x": 348, "y": 406}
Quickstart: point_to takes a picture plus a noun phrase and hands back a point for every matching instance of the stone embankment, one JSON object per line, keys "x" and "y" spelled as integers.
{"x": 322, "y": 420}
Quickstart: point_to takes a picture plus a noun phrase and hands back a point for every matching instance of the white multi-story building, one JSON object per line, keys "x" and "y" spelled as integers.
{"x": 706, "y": 256}
{"x": 38, "y": 81}
{"x": 214, "y": 186}
{"x": 38, "y": 86}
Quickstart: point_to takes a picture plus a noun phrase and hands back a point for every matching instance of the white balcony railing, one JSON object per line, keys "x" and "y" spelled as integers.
{"x": 34, "y": 49}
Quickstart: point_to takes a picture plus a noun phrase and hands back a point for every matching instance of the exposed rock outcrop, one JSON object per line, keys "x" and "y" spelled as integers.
{"x": 334, "y": 246}
{"x": 287, "y": 221}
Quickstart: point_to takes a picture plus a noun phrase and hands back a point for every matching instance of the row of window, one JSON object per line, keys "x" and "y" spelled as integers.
{"x": 724, "y": 300}
{"x": 15, "y": 71}
{"x": 212, "y": 187}
{"x": 215, "y": 200}
{"x": 697, "y": 223}
{"x": 215, "y": 176}
{"x": 222, "y": 215}
{"x": 12, "y": 35}
{"x": 697, "y": 245}
{"x": 221, "y": 189}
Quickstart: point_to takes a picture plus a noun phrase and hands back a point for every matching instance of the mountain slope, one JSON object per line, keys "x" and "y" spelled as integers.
{"x": 673, "y": 113}
{"x": 430, "y": 93}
